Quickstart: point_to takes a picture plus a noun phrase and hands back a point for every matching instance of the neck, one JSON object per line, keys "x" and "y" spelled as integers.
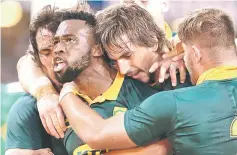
{"x": 224, "y": 61}
{"x": 210, "y": 65}
{"x": 211, "y": 60}
{"x": 95, "y": 79}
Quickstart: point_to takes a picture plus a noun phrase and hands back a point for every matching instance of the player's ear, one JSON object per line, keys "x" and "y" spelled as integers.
{"x": 197, "y": 54}
{"x": 97, "y": 51}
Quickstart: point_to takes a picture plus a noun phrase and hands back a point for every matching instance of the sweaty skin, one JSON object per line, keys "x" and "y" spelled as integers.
{"x": 98, "y": 72}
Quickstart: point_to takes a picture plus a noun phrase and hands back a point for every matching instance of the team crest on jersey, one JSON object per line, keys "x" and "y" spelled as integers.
{"x": 118, "y": 110}
{"x": 86, "y": 150}
{"x": 233, "y": 128}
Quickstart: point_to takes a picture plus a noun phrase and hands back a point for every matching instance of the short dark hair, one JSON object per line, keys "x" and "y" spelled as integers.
{"x": 130, "y": 20}
{"x": 88, "y": 17}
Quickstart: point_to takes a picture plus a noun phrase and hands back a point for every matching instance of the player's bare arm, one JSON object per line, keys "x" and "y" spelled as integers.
{"x": 156, "y": 148}
{"x": 28, "y": 72}
{"x": 110, "y": 133}
{"x": 34, "y": 81}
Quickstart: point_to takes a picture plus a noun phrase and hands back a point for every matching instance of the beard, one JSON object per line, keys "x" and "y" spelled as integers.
{"x": 69, "y": 75}
{"x": 73, "y": 70}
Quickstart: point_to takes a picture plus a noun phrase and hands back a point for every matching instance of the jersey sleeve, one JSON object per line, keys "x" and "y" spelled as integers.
{"x": 152, "y": 120}
{"x": 24, "y": 128}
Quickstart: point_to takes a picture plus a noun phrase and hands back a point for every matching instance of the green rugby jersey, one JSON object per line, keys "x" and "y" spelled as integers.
{"x": 199, "y": 120}
{"x": 125, "y": 93}
{"x": 25, "y": 130}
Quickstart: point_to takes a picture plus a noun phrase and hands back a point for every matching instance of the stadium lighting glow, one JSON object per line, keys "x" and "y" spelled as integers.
{"x": 11, "y": 13}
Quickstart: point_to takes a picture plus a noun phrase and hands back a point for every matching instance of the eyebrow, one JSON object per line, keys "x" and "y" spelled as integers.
{"x": 69, "y": 35}
{"x": 121, "y": 51}
{"x": 63, "y": 36}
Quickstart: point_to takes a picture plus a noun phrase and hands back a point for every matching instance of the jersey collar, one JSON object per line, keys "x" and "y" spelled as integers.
{"x": 218, "y": 73}
{"x": 110, "y": 94}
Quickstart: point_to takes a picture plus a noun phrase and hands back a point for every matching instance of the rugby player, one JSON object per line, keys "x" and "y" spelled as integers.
{"x": 44, "y": 88}
{"x": 157, "y": 8}
{"x": 113, "y": 96}
{"x": 25, "y": 133}
{"x": 196, "y": 120}
{"x": 78, "y": 58}
{"x": 130, "y": 38}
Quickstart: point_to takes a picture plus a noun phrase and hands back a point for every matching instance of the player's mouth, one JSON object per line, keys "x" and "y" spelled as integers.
{"x": 59, "y": 64}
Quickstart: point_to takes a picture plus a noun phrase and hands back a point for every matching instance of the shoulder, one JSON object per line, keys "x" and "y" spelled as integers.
{"x": 196, "y": 92}
{"x": 163, "y": 96}
{"x": 168, "y": 100}
{"x": 25, "y": 104}
{"x": 25, "y": 101}
{"x": 26, "y": 98}
{"x": 162, "y": 103}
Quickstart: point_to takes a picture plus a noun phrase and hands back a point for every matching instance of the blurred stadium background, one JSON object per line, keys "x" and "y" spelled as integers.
{"x": 14, "y": 21}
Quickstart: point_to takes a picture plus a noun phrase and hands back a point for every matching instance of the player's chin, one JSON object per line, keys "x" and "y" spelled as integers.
{"x": 143, "y": 77}
{"x": 59, "y": 78}
{"x": 62, "y": 77}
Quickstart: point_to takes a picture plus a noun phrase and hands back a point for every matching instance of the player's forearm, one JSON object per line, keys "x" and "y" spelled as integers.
{"x": 157, "y": 148}
{"x": 29, "y": 75}
{"x": 28, "y": 72}
{"x": 137, "y": 151}
{"x": 84, "y": 121}
{"x": 91, "y": 128}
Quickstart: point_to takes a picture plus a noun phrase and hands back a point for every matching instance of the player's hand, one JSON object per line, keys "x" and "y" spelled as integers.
{"x": 51, "y": 115}
{"x": 172, "y": 62}
{"x": 46, "y": 151}
{"x": 169, "y": 67}
{"x": 177, "y": 63}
